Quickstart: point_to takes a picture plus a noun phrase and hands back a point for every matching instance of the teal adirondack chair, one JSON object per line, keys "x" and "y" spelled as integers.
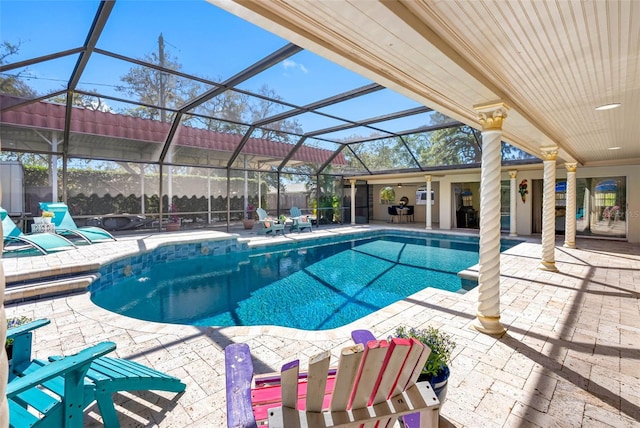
{"x": 67, "y": 227}
{"x": 41, "y": 242}
{"x": 94, "y": 377}
{"x": 270, "y": 225}
{"x": 300, "y": 222}
{"x": 56, "y": 393}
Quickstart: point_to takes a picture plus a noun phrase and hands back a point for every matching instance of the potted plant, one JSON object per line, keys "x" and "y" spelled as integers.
{"x": 248, "y": 220}
{"x": 436, "y": 369}
{"x": 174, "y": 220}
{"x": 47, "y": 216}
{"x": 12, "y": 323}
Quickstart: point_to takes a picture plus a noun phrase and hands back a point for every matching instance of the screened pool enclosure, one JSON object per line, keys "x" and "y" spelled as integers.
{"x": 181, "y": 110}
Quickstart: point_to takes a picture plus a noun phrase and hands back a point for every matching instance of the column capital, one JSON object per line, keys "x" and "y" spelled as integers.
{"x": 513, "y": 174}
{"x": 571, "y": 166}
{"x": 427, "y": 178}
{"x": 549, "y": 153}
{"x": 492, "y": 115}
{"x": 353, "y": 181}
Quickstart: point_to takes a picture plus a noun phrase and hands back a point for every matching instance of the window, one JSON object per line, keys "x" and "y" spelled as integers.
{"x": 387, "y": 196}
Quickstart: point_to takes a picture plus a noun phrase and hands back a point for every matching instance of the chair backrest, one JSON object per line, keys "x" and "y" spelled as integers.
{"x": 262, "y": 214}
{"x": 366, "y": 376}
{"x": 61, "y": 216}
{"x": 9, "y": 228}
{"x": 392, "y": 210}
{"x": 295, "y": 212}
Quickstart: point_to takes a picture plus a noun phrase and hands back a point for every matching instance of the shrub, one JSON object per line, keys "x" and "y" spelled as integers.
{"x": 15, "y": 322}
{"x": 441, "y": 344}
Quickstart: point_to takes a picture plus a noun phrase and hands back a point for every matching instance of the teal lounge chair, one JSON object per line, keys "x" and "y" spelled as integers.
{"x": 72, "y": 383}
{"x": 270, "y": 225}
{"x": 43, "y": 243}
{"x": 300, "y": 222}
{"x": 65, "y": 225}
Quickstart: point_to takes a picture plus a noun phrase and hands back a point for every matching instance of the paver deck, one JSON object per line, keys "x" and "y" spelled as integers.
{"x": 570, "y": 357}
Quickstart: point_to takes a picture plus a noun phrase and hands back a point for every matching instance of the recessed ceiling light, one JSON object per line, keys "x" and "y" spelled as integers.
{"x": 614, "y": 148}
{"x": 608, "y": 106}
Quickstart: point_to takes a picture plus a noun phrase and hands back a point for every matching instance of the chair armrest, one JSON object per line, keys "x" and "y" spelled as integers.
{"x": 14, "y": 332}
{"x": 22, "y": 337}
{"x": 238, "y": 373}
{"x": 66, "y": 366}
{"x": 362, "y": 336}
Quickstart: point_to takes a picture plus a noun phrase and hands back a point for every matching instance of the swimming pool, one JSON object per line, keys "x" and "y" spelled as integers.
{"x": 315, "y": 287}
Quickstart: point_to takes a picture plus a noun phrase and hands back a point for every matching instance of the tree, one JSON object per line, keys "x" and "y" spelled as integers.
{"x": 13, "y": 84}
{"x": 229, "y": 112}
{"x": 450, "y": 146}
{"x": 383, "y": 154}
{"x": 157, "y": 87}
{"x": 266, "y": 107}
{"x": 89, "y": 102}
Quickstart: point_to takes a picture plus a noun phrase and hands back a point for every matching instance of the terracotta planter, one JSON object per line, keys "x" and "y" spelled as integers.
{"x": 172, "y": 227}
{"x": 248, "y": 223}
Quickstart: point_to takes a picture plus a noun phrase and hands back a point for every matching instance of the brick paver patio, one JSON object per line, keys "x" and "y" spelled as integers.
{"x": 570, "y": 357}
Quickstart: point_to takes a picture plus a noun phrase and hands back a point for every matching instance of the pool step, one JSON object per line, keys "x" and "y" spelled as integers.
{"x": 21, "y": 292}
{"x": 468, "y": 279}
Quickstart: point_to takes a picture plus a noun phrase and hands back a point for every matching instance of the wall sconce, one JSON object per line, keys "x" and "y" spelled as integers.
{"x": 399, "y": 185}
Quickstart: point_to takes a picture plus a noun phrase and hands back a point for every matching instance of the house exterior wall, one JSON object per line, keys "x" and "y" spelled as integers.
{"x": 444, "y": 201}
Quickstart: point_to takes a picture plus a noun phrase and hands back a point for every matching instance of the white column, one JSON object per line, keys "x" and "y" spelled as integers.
{"x": 548, "y": 261}
{"x": 512, "y": 202}
{"x": 4, "y": 363}
{"x": 54, "y": 168}
{"x": 142, "y": 205}
{"x": 570, "y": 212}
{"x": 353, "y": 201}
{"x": 209, "y": 215}
{"x": 169, "y": 180}
{"x": 428, "y": 179}
{"x": 259, "y": 190}
{"x": 488, "y": 316}
{"x": 246, "y": 188}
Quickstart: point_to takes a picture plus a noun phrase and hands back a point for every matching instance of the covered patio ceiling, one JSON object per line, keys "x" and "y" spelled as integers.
{"x": 553, "y": 63}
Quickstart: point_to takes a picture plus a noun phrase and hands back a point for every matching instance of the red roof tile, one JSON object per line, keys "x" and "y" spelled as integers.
{"x": 51, "y": 116}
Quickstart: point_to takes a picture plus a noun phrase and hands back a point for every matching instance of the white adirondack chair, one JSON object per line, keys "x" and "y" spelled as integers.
{"x": 372, "y": 386}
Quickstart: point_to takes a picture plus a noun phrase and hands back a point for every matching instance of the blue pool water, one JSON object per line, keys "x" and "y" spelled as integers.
{"x": 311, "y": 288}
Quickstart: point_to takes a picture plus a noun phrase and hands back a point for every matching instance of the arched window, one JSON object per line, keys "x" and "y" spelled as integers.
{"x": 387, "y": 196}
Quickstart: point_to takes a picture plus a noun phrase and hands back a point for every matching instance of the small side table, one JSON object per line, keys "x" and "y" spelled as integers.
{"x": 43, "y": 228}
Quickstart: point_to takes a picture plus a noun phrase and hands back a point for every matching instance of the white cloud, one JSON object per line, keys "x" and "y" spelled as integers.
{"x": 287, "y": 64}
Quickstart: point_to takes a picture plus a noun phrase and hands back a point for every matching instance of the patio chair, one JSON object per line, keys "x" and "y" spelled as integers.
{"x": 393, "y": 213}
{"x": 300, "y": 222}
{"x": 410, "y": 213}
{"x": 270, "y": 224}
{"x": 72, "y": 383}
{"x": 41, "y": 242}
{"x": 65, "y": 225}
{"x": 411, "y": 420}
{"x": 375, "y": 383}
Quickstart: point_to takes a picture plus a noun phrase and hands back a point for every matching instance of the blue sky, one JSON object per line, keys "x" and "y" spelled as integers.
{"x": 207, "y": 41}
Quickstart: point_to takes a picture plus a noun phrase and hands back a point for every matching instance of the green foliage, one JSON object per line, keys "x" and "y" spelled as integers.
{"x": 387, "y": 195}
{"x": 15, "y": 322}
{"x": 12, "y": 83}
{"x": 384, "y": 154}
{"x": 451, "y": 146}
{"x": 441, "y": 344}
